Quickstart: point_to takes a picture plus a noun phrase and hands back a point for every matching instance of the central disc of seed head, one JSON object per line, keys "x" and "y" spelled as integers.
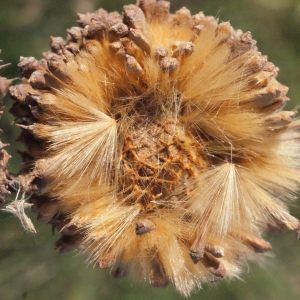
{"x": 157, "y": 160}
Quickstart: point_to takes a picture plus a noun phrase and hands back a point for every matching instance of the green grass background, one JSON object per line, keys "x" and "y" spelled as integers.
{"x": 29, "y": 267}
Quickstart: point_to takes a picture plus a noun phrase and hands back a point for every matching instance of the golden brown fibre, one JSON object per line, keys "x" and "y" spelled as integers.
{"x": 157, "y": 144}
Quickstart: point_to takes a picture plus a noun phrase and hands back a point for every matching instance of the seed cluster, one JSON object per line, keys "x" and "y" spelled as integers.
{"x": 157, "y": 144}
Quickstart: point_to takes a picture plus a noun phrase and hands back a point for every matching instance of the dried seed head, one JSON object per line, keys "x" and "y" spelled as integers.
{"x": 158, "y": 144}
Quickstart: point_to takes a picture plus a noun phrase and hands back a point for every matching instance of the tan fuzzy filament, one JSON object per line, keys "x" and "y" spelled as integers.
{"x": 158, "y": 143}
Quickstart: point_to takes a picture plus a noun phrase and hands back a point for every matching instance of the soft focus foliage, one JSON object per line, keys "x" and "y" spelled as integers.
{"x": 29, "y": 266}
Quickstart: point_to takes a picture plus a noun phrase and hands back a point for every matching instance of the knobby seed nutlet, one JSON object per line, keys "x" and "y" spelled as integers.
{"x": 157, "y": 144}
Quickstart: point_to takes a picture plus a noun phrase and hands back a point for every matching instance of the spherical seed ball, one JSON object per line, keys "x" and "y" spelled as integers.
{"x": 159, "y": 144}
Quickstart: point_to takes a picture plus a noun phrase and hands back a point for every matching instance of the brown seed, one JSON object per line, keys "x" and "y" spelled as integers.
{"x": 20, "y": 111}
{"x": 258, "y": 245}
{"x": 169, "y": 64}
{"x": 133, "y": 66}
{"x": 47, "y": 211}
{"x": 241, "y": 44}
{"x": 75, "y": 34}
{"x": 215, "y": 250}
{"x": 197, "y": 248}
{"x": 161, "y": 11}
{"x": 224, "y": 31}
{"x": 84, "y": 19}
{"x": 214, "y": 265}
{"x": 57, "y": 44}
{"x": 37, "y": 80}
{"x": 196, "y": 32}
{"x": 21, "y": 91}
{"x": 140, "y": 40}
{"x": 95, "y": 30}
{"x": 100, "y": 15}
{"x": 134, "y": 17}
{"x": 115, "y": 47}
{"x": 160, "y": 53}
{"x": 184, "y": 49}
{"x": 143, "y": 226}
{"x": 121, "y": 55}
{"x": 117, "y": 31}
{"x": 182, "y": 16}
{"x": 129, "y": 46}
{"x": 58, "y": 67}
{"x": 202, "y": 19}
{"x": 113, "y": 18}
{"x": 281, "y": 118}
{"x": 147, "y": 6}
{"x": 28, "y": 65}
{"x": 73, "y": 47}
{"x": 69, "y": 229}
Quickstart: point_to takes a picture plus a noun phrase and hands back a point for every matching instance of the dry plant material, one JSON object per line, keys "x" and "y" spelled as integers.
{"x": 159, "y": 144}
{"x": 7, "y": 183}
{"x": 4, "y": 156}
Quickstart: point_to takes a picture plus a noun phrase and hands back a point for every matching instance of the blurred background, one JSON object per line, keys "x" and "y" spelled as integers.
{"x": 29, "y": 266}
